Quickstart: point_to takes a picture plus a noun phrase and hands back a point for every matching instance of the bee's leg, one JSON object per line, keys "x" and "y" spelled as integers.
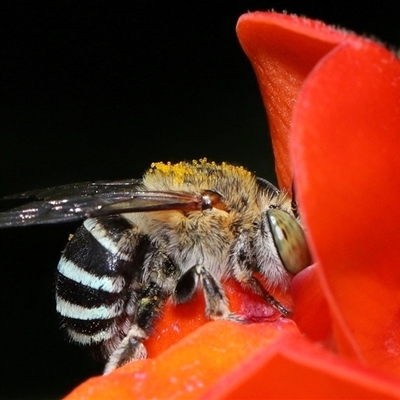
{"x": 250, "y": 282}
{"x": 293, "y": 203}
{"x": 149, "y": 303}
{"x": 217, "y": 306}
{"x": 243, "y": 272}
{"x": 131, "y": 348}
{"x": 256, "y": 287}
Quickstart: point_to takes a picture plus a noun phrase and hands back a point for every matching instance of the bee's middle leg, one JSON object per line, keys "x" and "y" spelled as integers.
{"x": 217, "y": 304}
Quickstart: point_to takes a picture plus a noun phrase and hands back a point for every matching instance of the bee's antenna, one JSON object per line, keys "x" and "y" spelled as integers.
{"x": 295, "y": 209}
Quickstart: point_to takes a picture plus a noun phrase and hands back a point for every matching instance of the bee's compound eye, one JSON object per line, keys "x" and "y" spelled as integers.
{"x": 290, "y": 241}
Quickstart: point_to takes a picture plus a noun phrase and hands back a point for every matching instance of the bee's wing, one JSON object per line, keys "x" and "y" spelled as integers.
{"x": 79, "y": 189}
{"x": 78, "y": 201}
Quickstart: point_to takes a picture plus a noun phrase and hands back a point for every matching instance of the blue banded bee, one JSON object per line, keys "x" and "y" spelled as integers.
{"x": 182, "y": 227}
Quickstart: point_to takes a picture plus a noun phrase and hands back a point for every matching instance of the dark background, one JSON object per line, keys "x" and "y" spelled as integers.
{"x": 98, "y": 90}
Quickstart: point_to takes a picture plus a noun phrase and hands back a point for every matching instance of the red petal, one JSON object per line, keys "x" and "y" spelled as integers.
{"x": 179, "y": 360}
{"x": 178, "y": 321}
{"x": 283, "y": 50}
{"x": 346, "y": 151}
{"x": 335, "y": 99}
{"x": 189, "y": 368}
{"x": 293, "y": 368}
{"x": 311, "y": 311}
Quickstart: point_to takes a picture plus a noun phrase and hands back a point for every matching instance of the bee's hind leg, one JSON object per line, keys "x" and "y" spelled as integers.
{"x": 131, "y": 347}
{"x": 217, "y": 304}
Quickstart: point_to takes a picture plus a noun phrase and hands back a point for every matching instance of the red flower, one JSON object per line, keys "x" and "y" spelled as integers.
{"x": 333, "y": 102}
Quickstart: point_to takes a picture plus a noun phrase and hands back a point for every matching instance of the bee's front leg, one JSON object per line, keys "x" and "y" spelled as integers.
{"x": 256, "y": 287}
{"x": 243, "y": 267}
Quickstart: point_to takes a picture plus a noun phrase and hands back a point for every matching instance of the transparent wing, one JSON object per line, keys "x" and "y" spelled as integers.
{"x": 90, "y": 199}
{"x": 102, "y": 188}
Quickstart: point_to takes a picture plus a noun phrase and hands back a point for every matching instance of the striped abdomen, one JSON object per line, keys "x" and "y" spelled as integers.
{"x": 94, "y": 290}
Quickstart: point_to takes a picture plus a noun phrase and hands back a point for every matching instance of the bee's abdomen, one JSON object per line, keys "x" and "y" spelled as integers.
{"x": 94, "y": 276}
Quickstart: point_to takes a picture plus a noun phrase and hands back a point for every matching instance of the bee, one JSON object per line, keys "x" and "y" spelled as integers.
{"x": 181, "y": 228}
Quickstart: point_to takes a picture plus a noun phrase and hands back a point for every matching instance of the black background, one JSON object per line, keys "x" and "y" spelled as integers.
{"x": 98, "y": 90}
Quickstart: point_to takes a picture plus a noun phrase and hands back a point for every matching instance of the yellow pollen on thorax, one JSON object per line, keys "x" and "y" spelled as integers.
{"x": 179, "y": 171}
